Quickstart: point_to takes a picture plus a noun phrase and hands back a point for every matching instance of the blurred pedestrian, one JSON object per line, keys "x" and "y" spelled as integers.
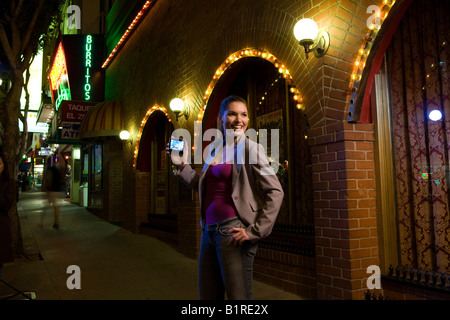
{"x": 7, "y": 189}
{"x": 54, "y": 191}
{"x": 68, "y": 180}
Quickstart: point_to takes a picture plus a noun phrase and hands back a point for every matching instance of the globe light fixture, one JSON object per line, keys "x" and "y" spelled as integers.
{"x": 124, "y": 135}
{"x": 307, "y": 33}
{"x": 178, "y": 107}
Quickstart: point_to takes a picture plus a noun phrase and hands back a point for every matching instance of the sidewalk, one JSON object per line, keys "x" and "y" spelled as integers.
{"x": 115, "y": 264}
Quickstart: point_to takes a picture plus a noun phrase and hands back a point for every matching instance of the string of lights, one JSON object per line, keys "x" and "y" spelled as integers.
{"x": 141, "y": 129}
{"x": 364, "y": 51}
{"x": 145, "y": 9}
{"x": 245, "y": 53}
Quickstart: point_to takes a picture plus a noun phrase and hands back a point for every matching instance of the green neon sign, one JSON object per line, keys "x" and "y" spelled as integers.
{"x": 63, "y": 94}
{"x": 87, "y": 64}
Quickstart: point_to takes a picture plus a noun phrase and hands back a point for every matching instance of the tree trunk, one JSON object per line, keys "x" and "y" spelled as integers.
{"x": 10, "y": 148}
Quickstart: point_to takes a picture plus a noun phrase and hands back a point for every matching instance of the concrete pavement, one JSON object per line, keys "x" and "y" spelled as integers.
{"x": 114, "y": 263}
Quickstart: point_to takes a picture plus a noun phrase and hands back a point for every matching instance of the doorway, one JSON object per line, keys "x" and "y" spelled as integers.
{"x": 152, "y": 159}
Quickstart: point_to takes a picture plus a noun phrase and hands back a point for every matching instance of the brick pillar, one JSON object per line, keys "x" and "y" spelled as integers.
{"x": 112, "y": 181}
{"x": 345, "y": 212}
{"x": 189, "y": 231}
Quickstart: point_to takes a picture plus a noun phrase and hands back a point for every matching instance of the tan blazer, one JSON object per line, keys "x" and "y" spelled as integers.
{"x": 256, "y": 191}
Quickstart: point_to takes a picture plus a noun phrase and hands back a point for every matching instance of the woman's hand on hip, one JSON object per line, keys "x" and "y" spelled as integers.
{"x": 238, "y": 236}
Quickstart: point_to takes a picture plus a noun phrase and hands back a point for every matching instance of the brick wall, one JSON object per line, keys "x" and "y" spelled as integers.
{"x": 112, "y": 176}
{"x": 345, "y": 213}
{"x": 175, "y": 52}
{"x": 189, "y": 231}
{"x": 291, "y": 272}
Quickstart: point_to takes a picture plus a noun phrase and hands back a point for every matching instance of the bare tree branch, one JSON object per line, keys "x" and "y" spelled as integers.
{"x": 7, "y": 48}
{"x": 16, "y": 12}
{"x": 32, "y": 23}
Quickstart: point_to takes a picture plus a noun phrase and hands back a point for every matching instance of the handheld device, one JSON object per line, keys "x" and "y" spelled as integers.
{"x": 176, "y": 144}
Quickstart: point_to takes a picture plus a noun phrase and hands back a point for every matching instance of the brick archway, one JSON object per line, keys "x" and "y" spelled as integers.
{"x": 210, "y": 106}
{"x": 144, "y": 123}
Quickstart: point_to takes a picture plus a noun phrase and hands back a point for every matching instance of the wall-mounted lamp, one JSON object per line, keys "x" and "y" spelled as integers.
{"x": 125, "y": 136}
{"x": 307, "y": 33}
{"x": 178, "y": 107}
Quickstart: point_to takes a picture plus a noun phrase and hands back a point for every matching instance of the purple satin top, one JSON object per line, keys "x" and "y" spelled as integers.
{"x": 218, "y": 203}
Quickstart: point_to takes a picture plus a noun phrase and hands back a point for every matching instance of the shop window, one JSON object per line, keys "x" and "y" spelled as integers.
{"x": 96, "y": 170}
{"x": 416, "y": 205}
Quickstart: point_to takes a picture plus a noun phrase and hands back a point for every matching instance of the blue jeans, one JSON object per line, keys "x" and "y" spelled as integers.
{"x": 225, "y": 268}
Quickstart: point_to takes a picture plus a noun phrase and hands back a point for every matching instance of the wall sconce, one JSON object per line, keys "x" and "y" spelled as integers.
{"x": 307, "y": 33}
{"x": 178, "y": 107}
{"x": 125, "y": 136}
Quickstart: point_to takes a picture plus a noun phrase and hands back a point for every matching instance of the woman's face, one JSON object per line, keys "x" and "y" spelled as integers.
{"x": 2, "y": 165}
{"x": 235, "y": 118}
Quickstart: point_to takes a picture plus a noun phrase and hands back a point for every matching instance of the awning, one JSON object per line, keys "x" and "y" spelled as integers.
{"x": 104, "y": 119}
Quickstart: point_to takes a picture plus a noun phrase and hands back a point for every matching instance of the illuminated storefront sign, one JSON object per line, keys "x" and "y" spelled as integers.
{"x": 88, "y": 65}
{"x": 71, "y": 115}
{"x": 59, "y": 80}
{"x": 70, "y": 130}
{"x": 77, "y": 61}
{"x": 74, "y": 111}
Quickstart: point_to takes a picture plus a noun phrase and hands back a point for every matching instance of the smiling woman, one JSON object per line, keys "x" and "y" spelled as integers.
{"x": 239, "y": 203}
{"x": 233, "y": 116}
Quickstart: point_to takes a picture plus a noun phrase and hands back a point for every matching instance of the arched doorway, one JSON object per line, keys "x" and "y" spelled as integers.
{"x": 156, "y": 181}
{"x": 271, "y": 106}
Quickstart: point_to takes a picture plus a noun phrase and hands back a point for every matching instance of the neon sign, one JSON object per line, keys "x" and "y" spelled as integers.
{"x": 63, "y": 94}
{"x": 87, "y": 64}
{"x": 59, "y": 81}
{"x": 59, "y": 68}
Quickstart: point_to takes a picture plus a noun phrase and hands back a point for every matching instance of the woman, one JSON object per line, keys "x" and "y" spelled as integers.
{"x": 7, "y": 189}
{"x": 239, "y": 203}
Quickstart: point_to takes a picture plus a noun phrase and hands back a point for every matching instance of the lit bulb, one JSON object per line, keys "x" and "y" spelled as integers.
{"x": 124, "y": 135}
{"x": 435, "y": 115}
{"x": 176, "y": 105}
{"x": 306, "y": 29}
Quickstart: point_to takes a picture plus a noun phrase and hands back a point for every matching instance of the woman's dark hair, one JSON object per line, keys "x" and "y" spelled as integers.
{"x": 226, "y": 104}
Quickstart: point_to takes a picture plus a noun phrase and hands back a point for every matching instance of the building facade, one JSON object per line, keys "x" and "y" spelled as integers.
{"x": 353, "y": 171}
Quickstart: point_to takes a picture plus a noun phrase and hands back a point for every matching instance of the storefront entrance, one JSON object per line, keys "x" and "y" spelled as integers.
{"x": 152, "y": 163}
